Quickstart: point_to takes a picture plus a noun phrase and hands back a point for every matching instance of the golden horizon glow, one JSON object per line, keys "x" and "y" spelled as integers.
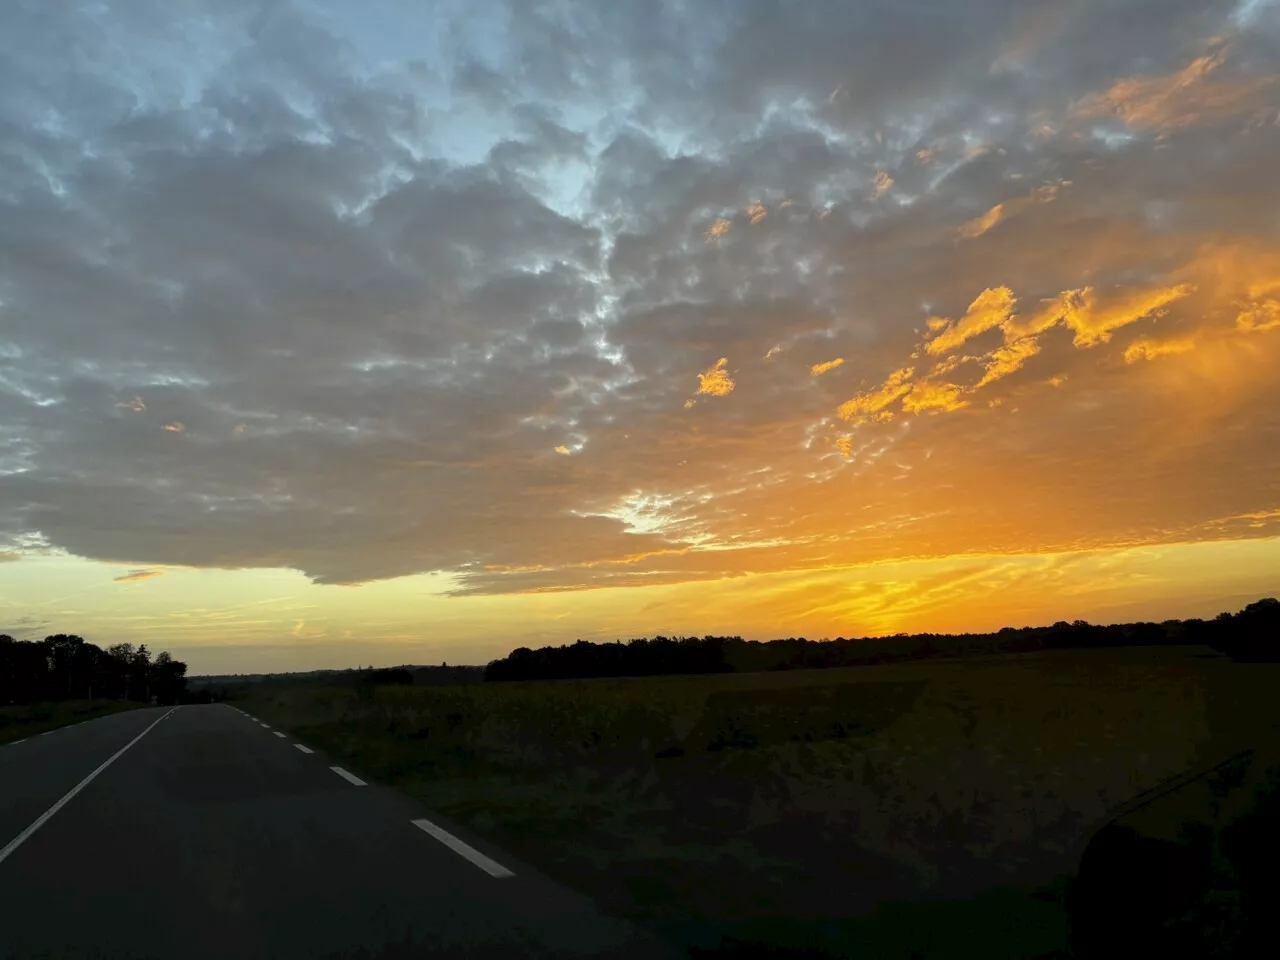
{"x": 279, "y": 621}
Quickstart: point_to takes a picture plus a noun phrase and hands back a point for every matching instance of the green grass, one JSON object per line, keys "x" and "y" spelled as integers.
{"x": 895, "y": 810}
{"x": 28, "y": 720}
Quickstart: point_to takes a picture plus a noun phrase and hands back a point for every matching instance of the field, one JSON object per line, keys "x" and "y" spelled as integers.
{"x": 899, "y": 810}
{"x": 26, "y": 720}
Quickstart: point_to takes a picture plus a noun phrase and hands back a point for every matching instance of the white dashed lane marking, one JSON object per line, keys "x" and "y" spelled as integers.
{"x": 349, "y": 777}
{"x": 304, "y": 749}
{"x": 278, "y": 733}
{"x": 491, "y": 867}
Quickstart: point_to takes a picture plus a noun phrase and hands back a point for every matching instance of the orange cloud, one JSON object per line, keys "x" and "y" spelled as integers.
{"x": 719, "y": 229}
{"x": 991, "y": 309}
{"x": 932, "y": 395}
{"x": 1002, "y": 211}
{"x": 1180, "y": 99}
{"x": 980, "y": 225}
{"x": 1259, "y": 317}
{"x": 1007, "y": 359}
{"x": 716, "y": 382}
{"x": 757, "y": 212}
{"x": 895, "y": 386}
{"x": 818, "y": 369}
{"x": 563, "y": 450}
{"x": 176, "y": 427}
{"x": 1051, "y": 311}
{"x": 882, "y": 184}
{"x": 1145, "y": 348}
{"x": 136, "y": 405}
{"x": 1094, "y": 320}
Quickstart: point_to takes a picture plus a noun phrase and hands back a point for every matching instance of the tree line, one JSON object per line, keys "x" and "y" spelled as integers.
{"x": 1251, "y": 634}
{"x": 67, "y": 667}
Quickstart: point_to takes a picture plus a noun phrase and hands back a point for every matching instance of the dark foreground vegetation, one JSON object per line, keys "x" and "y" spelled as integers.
{"x": 222, "y": 686}
{"x": 1252, "y": 634}
{"x": 66, "y": 667}
{"x": 1021, "y": 794}
{"x": 63, "y": 679}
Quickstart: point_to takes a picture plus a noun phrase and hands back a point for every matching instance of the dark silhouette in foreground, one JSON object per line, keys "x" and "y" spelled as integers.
{"x": 66, "y": 667}
{"x": 1185, "y": 870}
{"x": 1252, "y": 635}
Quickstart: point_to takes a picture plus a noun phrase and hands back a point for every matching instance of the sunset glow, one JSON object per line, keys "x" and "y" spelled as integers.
{"x": 328, "y": 341}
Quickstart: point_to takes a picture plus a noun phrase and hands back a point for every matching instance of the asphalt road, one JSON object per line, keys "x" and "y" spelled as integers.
{"x": 213, "y": 836}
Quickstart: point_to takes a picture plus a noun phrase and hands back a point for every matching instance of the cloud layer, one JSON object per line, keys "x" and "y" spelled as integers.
{"x": 553, "y": 296}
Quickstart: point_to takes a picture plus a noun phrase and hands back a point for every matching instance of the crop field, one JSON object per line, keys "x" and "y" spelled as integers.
{"x": 896, "y": 810}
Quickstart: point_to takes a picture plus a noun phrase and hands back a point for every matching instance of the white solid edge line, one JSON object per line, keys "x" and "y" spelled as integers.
{"x": 491, "y": 867}
{"x": 12, "y": 742}
{"x": 40, "y": 820}
{"x": 47, "y": 732}
{"x": 349, "y": 777}
{"x": 304, "y": 749}
{"x": 278, "y": 733}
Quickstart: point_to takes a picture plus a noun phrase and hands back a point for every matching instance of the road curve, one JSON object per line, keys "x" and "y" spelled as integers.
{"x": 211, "y": 836}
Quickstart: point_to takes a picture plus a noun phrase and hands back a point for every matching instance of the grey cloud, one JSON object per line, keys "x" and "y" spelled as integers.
{"x": 252, "y": 229}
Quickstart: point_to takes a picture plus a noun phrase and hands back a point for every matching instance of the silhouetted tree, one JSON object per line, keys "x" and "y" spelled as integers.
{"x": 65, "y": 666}
{"x": 1254, "y": 633}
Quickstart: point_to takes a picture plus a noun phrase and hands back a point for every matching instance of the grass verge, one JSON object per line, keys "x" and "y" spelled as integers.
{"x": 30, "y": 719}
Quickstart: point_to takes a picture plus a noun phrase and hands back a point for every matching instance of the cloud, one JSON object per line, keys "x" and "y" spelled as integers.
{"x": 1050, "y": 312}
{"x": 895, "y": 386}
{"x": 818, "y": 369}
{"x": 989, "y": 310}
{"x": 410, "y": 284}
{"x": 134, "y": 576}
{"x": 1145, "y": 348}
{"x": 1094, "y": 317}
{"x": 720, "y": 228}
{"x": 715, "y": 381}
{"x": 1184, "y": 98}
{"x": 1260, "y": 317}
{"x": 933, "y": 395}
{"x": 1008, "y": 359}
{"x": 1001, "y": 211}
{"x": 980, "y": 225}
{"x": 882, "y": 184}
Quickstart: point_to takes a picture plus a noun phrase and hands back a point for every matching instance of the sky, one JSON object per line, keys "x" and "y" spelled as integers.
{"x": 401, "y": 332}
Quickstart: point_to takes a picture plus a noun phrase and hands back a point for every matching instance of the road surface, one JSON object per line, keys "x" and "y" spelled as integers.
{"x": 199, "y": 832}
